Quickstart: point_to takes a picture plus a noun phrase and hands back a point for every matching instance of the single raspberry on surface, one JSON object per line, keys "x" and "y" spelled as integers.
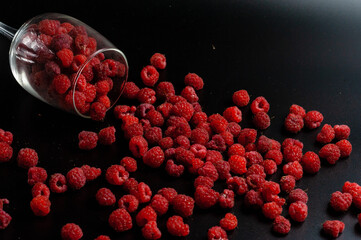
{"x": 311, "y": 162}
{"x": 6, "y": 152}
{"x": 274, "y": 155}
{"x": 333, "y": 227}
{"x": 146, "y": 95}
{"x": 138, "y": 146}
{"x": 76, "y": 178}
{"x": 298, "y": 211}
{"x": 297, "y": 195}
{"x": 293, "y": 168}
{"x": 107, "y": 135}
{"x": 145, "y": 215}
{"x": 6, "y": 136}
{"x": 226, "y": 199}
{"x": 192, "y": 79}
{"x": 205, "y": 197}
{"x": 120, "y": 220}
{"x": 189, "y": 94}
{"x": 326, "y": 135}
{"x": 129, "y": 203}
{"x": 5, "y": 219}
{"x": 260, "y": 104}
{"x": 233, "y": 114}
{"x": 173, "y": 169}
{"x": 183, "y": 156}
{"x": 105, "y": 197}
{"x": 36, "y": 174}
{"x": 57, "y": 183}
{"x": 39, "y": 189}
{"x": 158, "y": 60}
{"x": 151, "y": 230}
{"x": 91, "y": 173}
{"x": 313, "y": 119}
{"x": 183, "y": 205}
{"x": 142, "y": 192}
{"x": 40, "y": 205}
{"x": 287, "y": 183}
{"x": 270, "y": 166}
{"x": 116, "y": 175}
{"x": 237, "y": 184}
{"x": 345, "y": 147}
{"x": 229, "y": 222}
{"x": 130, "y": 90}
{"x": 159, "y": 204}
{"x": 298, "y": 110}
{"x": 177, "y": 227}
{"x": 217, "y": 233}
{"x": 281, "y": 225}
{"x": 292, "y": 153}
{"x": 353, "y": 188}
{"x": 27, "y": 158}
{"x": 154, "y": 157}
{"x": 340, "y": 201}
{"x": 247, "y": 136}
{"x": 87, "y": 140}
{"x": 330, "y": 152}
{"x": 168, "y": 193}
{"x": 253, "y": 199}
{"x": 241, "y": 98}
{"x": 270, "y": 188}
{"x": 71, "y": 231}
{"x": 237, "y": 164}
{"x": 293, "y": 123}
{"x": 342, "y": 131}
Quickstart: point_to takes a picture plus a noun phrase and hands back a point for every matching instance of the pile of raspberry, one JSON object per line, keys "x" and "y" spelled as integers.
{"x": 63, "y": 50}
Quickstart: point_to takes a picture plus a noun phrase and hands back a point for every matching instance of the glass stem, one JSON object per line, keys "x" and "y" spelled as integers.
{"x": 7, "y": 31}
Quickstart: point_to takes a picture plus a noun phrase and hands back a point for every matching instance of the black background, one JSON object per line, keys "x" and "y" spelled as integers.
{"x": 306, "y": 53}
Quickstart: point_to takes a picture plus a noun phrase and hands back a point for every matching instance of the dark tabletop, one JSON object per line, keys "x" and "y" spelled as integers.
{"x": 304, "y": 52}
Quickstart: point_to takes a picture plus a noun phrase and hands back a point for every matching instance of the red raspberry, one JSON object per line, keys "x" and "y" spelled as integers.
{"x": 120, "y": 220}
{"x": 281, "y": 225}
{"x": 241, "y": 98}
{"x": 189, "y": 94}
{"x": 138, "y": 146}
{"x": 155, "y": 118}
{"x": 129, "y": 203}
{"x": 298, "y": 110}
{"x": 102, "y": 237}
{"x": 255, "y": 181}
{"x": 265, "y": 144}
{"x": 192, "y": 79}
{"x": 165, "y": 90}
{"x": 292, "y": 153}
{"x": 165, "y": 109}
{"x": 311, "y": 162}
{"x": 146, "y": 95}
{"x": 342, "y": 131}
{"x": 159, "y": 204}
{"x": 5, "y": 219}
{"x": 6, "y": 137}
{"x": 253, "y": 157}
{"x": 183, "y": 156}
{"x": 199, "y": 117}
{"x": 173, "y": 99}
{"x": 66, "y": 57}
{"x": 261, "y": 120}
{"x": 52, "y": 68}
{"x": 313, "y": 119}
{"x": 153, "y": 135}
{"x": 205, "y": 197}
{"x": 90, "y": 93}
{"x": 294, "y": 123}
{"x": 198, "y": 150}
{"x": 78, "y": 30}
{"x": 233, "y": 114}
{"x": 297, "y": 195}
{"x": 217, "y": 233}
{"x": 154, "y": 157}
{"x": 61, "y": 83}
{"x": 226, "y": 199}
{"x": 78, "y": 98}
{"x": 27, "y": 158}
{"x": 40, "y": 205}
{"x": 46, "y": 39}
{"x": 87, "y": 140}
{"x": 330, "y": 152}
{"x": 340, "y": 201}
{"x": 247, "y": 135}
{"x": 271, "y": 210}
{"x": 145, "y": 215}
{"x": 270, "y": 188}
{"x": 105, "y": 197}
{"x": 256, "y": 169}
{"x": 237, "y": 184}
{"x": 326, "y": 135}
{"x": 61, "y": 41}
{"x": 218, "y": 123}
{"x": 107, "y": 136}
{"x": 57, "y": 183}
{"x": 173, "y": 169}
{"x": 39, "y": 189}
{"x": 166, "y": 143}
{"x": 287, "y": 183}
{"x": 151, "y": 230}
{"x": 36, "y": 174}
{"x": 260, "y": 104}
{"x": 149, "y": 75}
{"x": 195, "y": 165}
{"x": 78, "y": 61}
{"x": 290, "y": 142}
{"x": 333, "y": 227}
{"x": 128, "y": 120}
{"x": 129, "y": 163}
{"x": 203, "y": 181}
{"x": 183, "y": 109}
{"x": 217, "y": 143}
{"x": 48, "y": 27}
{"x": 142, "y": 192}
{"x": 76, "y": 178}
{"x": 229, "y": 222}
{"x": 236, "y": 149}
{"x": 183, "y": 205}
{"x": 135, "y": 129}
{"x": 91, "y": 173}
{"x": 71, "y": 231}
{"x": 237, "y": 164}
{"x": 274, "y": 155}
{"x": 116, "y": 175}
{"x": 270, "y": 166}
{"x": 102, "y": 87}
{"x": 223, "y": 169}
{"x": 345, "y": 147}
{"x": 81, "y": 82}
{"x": 253, "y": 199}
{"x": 293, "y": 168}
{"x": 6, "y": 152}
{"x": 353, "y": 188}
{"x": 168, "y": 193}
{"x": 130, "y": 185}
{"x": 97, "y": 111}
{"x": 208, "y": 170}
{"x": 298, "y": 211}
{"x": 177, "y": 227}
{"x": 158, "y": 60}
{"x": 130, "y": 90}
{"x": 234, "y": 129}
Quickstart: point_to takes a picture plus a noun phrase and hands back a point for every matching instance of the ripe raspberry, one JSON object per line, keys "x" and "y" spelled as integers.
{"x": 146, "y": 95}
{"x": 255, "y": 181}
{"x": 61, "y": 41}
{"x": 247, "y": 135}
{"x": 71, "y": 231}
{"x": 78, "y": 98}
{"x": 155, "y": 118}
{"x": 116, "y": 175}
{"x": 129, "y": 163}
{"x": 76, "y": 178}
{"x": 105, "y": 197}
{"x": 270, "y": 166}
{"x": 260, "y": 104}
{"x": 226, "y": 199}
{"x": 138, "y": 146}
{"x": 87, "y": 140}
{"x": 326, "y": 135}
{"x": 353, "y": 188}
{"x": 345, "y": 147}
{"x": 120, "y": 220}
{"x": 293, "y": 168}
{"x": 298, "y": 110}
{"x": 183, "y": 205}
{"x": 107, "y": 136}
{"x": 154, "y": 157}
{"x": 195, "y": 165}
{"x": 229, "y": 222}
{"x": 257, "y": 169}
{"x": 153, "y": 135}
{"x": 199, "y": 117}
{"x": 281, "y": 225}
{"x": 183, "y": 109}
{"x": 292, "y": 153}
{"x": 298, "y": 211}
{"x": 189, "y": 94}
{"x": 91, "y": 173}
{"x": 102, "y": 87}
{"x": 130, "y": 90}
{"x": 223, "y": 169}
{"x": 313, "y": 119}
{"x": 193, "y": 80}
{"x": 237, "y": 184}
{"x": 48, "y": 27}
{"x": 165, "y": 90}
{"x": 208, "y": 170}
{"x": 168, "y": 193}
{"x": 237, "y": 164}
{"x": 253, "y": 199}
{"x": 241, "y": 98}
{"x": 78, "y": 61}
{"x": 233, "y": 114}
{"x": 294, "y": 123}
{"x": 159, "y": 204}
{"x": 66, "y": 57}
{"x": 151, "y": 231}
{"x": 218, "y": 123}
{"x": 52, "y": 69}
{"x": 340, "y": 201}
{"x": 198, "y": 150}
{"x": 129, "y": 119}
{"x": 261, "y": 120}
{"x": 297, "y": 195}
{"x": 36, "y": 174}
{"x": 40, "y": 205}
{"x": 130, "y": 185}
{"x": 27, "y": 158}
{"x": 290, "y": 142}
{"x": 142, "y": 192}
{"x": 287, "y": 183}
{"x": 90, "y": 93}
{"x": 253, "y": 157}
{"x": 205, "y": 197}
{"x": 342, "y": 131}
{"x": 61, "y": 83}
{"x": 39, "y": 189}
{"x": 129, "y": 203}
{"x": 217, "y": 143}
{"x": 6, "y": 136}
{"x": 166, "y": 143}
{"x": 203, "y": 181}
{"x": 330, "y": 152}
{"x": 6, "y": 152}
{"x": 102, "y": 237}
{"x": 165, "y": 109}
{"x": 183, "y": 156}
{"x": 173, "y": 169}
{"x": 311, "y": 162}
{"x": 274, "y": 155}
{"x": 5, "y": 219}
{"x": 145, "y": 215}
{"x": 270, "y": 188}
{"x": 265, "y": 144}
{"x": 149, "y": 75}
{"x": 132, "y": 130}
{"x": 236, "y": 149}
{"x": 271, "y": 210}
{"x": 57, "y": 183}
{"x": 177, "y": 227}
{"x": 333, "y": 227}
{"x": 234, "y": 129}
{"x": 158, "y": 60}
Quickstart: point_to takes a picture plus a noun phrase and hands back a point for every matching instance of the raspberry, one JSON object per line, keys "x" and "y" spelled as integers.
{"x": 287, "y": 183}
{"x": 158, "y": 60}
{"x": 183, "y": 205}
{"x": 342, "y": 131}
{"x": 39, "y": 189}
{"x": 226, "y": 199}
{"x": 333, "y": 227}
{"x": 81, "y": 42}
{"x": 78, "y": 61}
{"x": 130, "y": 90}
{"x": 313, "y": 119}
{"x": 165, "y": 109}
{"x": 66, "y": 57}
{"x": 27, "y": 158}
{"x": 132, "y": 130}
{"x": 292, "y": 153}
{"x": 116, "y": 175}
{"x": 97, "y": 111}
{"x": 77, "y": 30}
{"x": 168, "y": 193}
{"x": 271, "y": 210}
{"x": 189, "y": 94}
{"x": 173, "y": 169}
{"x": 229, "y": 222}
{"x": 236, "y": 149}
{"x": 270, "y": 188}
{"x": 138, "y": 146}
{"x": 297, "y": 195}
{"x": 265, "y": 144}
{"x": 57, "y": 183}
{"x": 183, "y": 156}
{"x": 6, "y": 152}
{"x": 237, "y": 164}
{"x": 298, "y": 110}
{"x": 223, "y": 169}
{"x": 165, "y": 90}
{"x": 281, "y": 225}
{"x": 102, "y": 237}
{"x": 81, "y": 82}
{"x": 217, "y": 143}
{"x": 198, "y": 150}
{"x": 199, "y": 117}
{"x": 155, "y": 118}
{"x": 326, "y": 135}
{"x": 87, "y": 140}
{"x": 40, "y": 205}
{"x": 261, "y": 120}
{"x": 129, "y": 203}
{"x": 166, "y": 143}
{"x": 6, "y": 136}
{"x": 61, "y": 41}
{"x": 241, "y": 98}
{"x": 52, "y": 68}
{"x": 218, "y": 123}
{"x": 340, "y": 201}
{"x": 247, "y": 135}
{"x": 145, "y": 215}
{"x": 154, "y": 157}
{"x": 130, "y": 185}
{"x": 195, "y": 165}
{"x": 274, "y": 155}
{"x": 71, "y": 231}
{"x": 159, "y": 204}
{"x": 102, "y": 87}
{"x": 142, "y": 192}
{"x": 233, "y": 114}
{"x": 153, "y": 135}
{"x": 76, "y": 178}
{"x": 107, "y": 136}
{"x": 193, "y": 80}
{"x": 353, "y": 188}
{"x": 256, "y": 169}
{"x": 146, "y": 95}
{"x": 177, "y": 227}
{"x": 120, "y": 220}
{"x": 298, "y": 211}
{"x": 151, "y": 230}
{"x": 330, "y": 152}
{"x": 293, "y": 168}
{"x": 91, "y": 173}
{"x": 253, "y": 199}
{"x": 205, "y": 197}
{"x": 260, "y": 104}
{"x": 208, "y": 170}
{"x": 253, "y": 157}
{"x": 290, "y": 142}
{"x": 183, "y": 109}
{"x": 237, "y": 184}
{"x": 255, "y": 181}
{"x": 149, "y": 75}
{"x": 2, "y": 202}
{"x": 311, "y": 162}
{"x": 217, "y": 233}
{"x": 270, "y": 166}
{"x": 128, "y": 120}
{"x": 203, "y": 181}
{"x": 48, "y": 26}
{"x": 5, "y": 219}
{"x": 105, "y": 197}
{"x": 345, "y": 147}
{"x": 129, "y": 163}
{"x": 293, "y": 123}
{"x": 36, "y": 174}
{"x": 90, "y": 93}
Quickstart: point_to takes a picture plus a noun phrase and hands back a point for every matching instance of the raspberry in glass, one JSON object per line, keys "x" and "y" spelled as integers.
{"x": 36, "y": 174}
{"x": 298, "y": 110}
{"x": 241, "y": 98}
{"x": 311, "y": 162}
{"x": 183, "y": 205}
{"x": 326, "y": 135}
{"x": 105, "y": 197}
{"x": 159, "y": 204}
{"x": 57, "y": 183}
{"x": 293, "y": 168}
{"x": 6, "y": 152}
{"x": 71, "y": 231}
{"x": 48, "y": 27}
{"x": 40, "y": 205}
{"x": 40, "y": 189}
{"x": 61, "y": 83}
{"x": 116, "y": 175}
{"x": 149, "y": 75}
{"x": 333, "y": 227}
{"x": 330, "y": 152}
{"x": 342, "y": 131}
{"x": 129, "y": 203}
{"x": 345, "y": 147}
{"x": 340, "y": 202}
{"x": 120, "y": 220}
{"x": 193, "y": 80}
{"x": 313, "y": 119}
{"x": 76, "y": 178}
{"x": 27, "y": 158}
{"x": 293, "y": 123}
{"x": 229, "y": 222}
{"x": 66, "y": 57}
{"x": 298, "y": 211}
{"x": 281, "y": 225}
{"x": 177, "y": 227}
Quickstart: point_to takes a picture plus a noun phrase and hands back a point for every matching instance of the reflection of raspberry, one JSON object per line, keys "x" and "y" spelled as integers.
{"x": 66, "y": 57}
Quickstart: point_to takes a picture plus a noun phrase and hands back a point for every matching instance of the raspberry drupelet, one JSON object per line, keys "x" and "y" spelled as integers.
{"x": 313, "y": 119}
